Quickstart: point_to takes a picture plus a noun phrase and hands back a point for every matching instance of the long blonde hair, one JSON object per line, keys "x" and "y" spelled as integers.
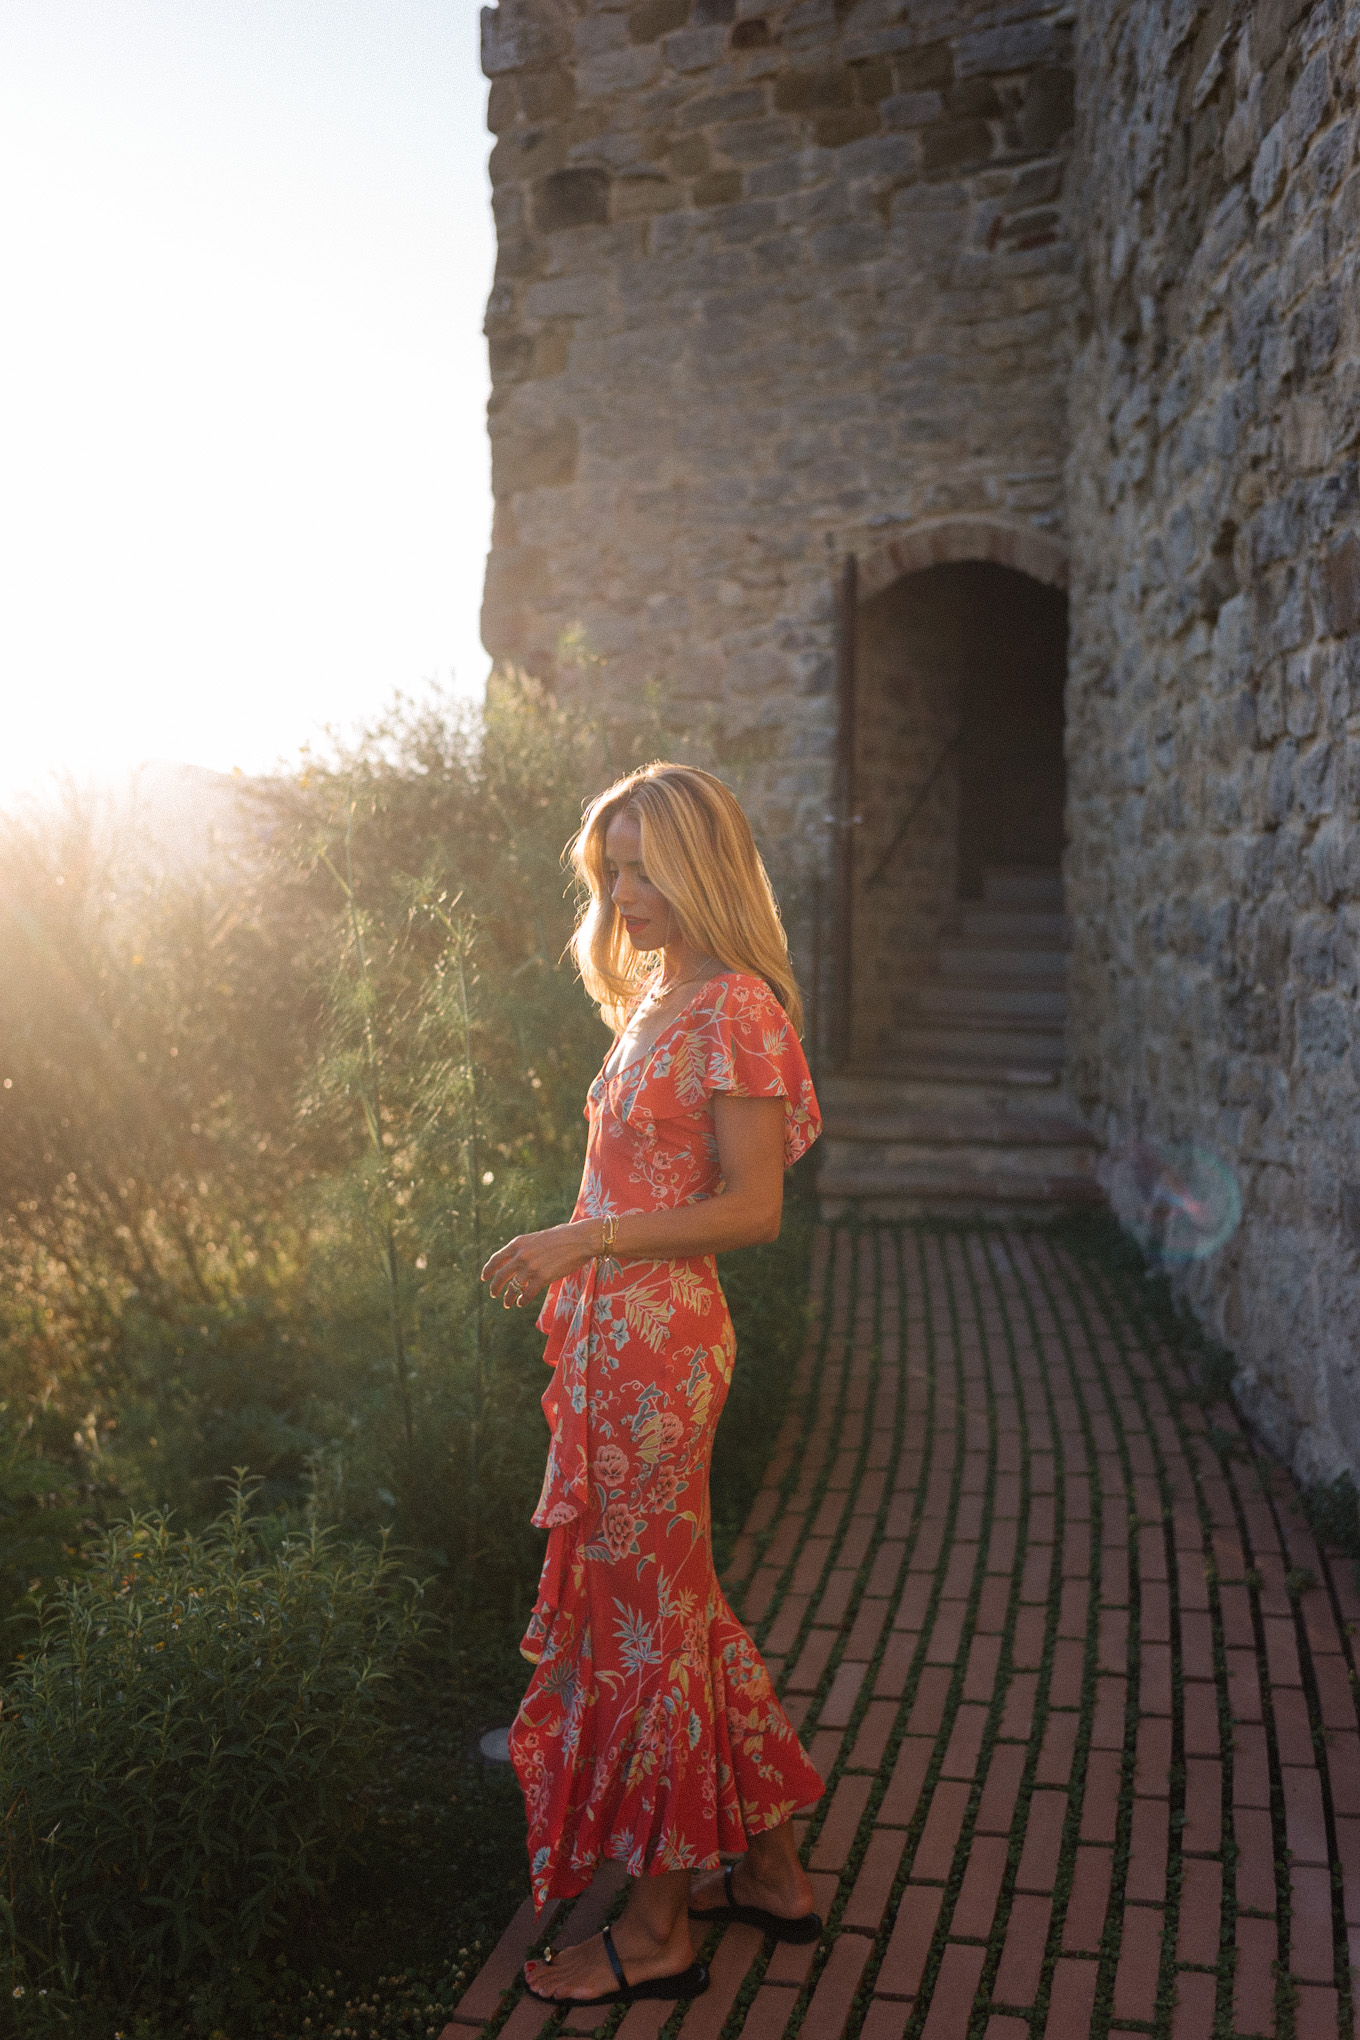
{"x": 699, "y": 853}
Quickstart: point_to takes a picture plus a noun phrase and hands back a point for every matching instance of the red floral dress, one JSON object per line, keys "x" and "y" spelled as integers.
{"x": 650, "y": 1732}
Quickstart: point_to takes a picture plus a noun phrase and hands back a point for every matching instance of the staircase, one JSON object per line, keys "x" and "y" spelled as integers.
{"x": 967, "y": 1112}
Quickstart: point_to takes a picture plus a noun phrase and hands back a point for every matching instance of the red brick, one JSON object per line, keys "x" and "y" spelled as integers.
{"x": 1201, "y": 1720}
{"x": 760, "y": 1593}
{"x": 1072, "y": 1608}
{"x": 1152, "y": 1772}
{"x": 1068, "y": 1676}
{"x": 1335, "y": 1696}
{"x": 1244, "y": 1686}
{"x": 1293, "y": 1730}
{"x": 1254, "y": 1984}
{"x": 1071, "y": 2002}
{"x": 1316, "y": 2015}
{"x": 1107, "y": 1726}
{"x": 1043, "y": 1838}
{"x": 771, "y": 2010}
{"x": 1100, "y": 1806}
{"x": 1343, "y": 1764}
{"x": 886, "y": 2019}
{"x": 786, "y": 1625}
{"x": 1140, "y": 1954}
{"x": 997, "y": 1806}
{"x": 856, "y": 1541}
{"x": 1055, "y": 1757}
{"x": 976, "y": 1906}
{"x": 644, "y": 2021}
{"x": 1146, "y": 1883}
{"x": 910, "y": 1612}
{"x": 524, "y": 2023}
{"x": 1001, "y": 1546}
{"x": 939, "y": 1838}
{"x": 1089, "y": 1902}
{"x": 1282, "y": 1651}
{"x": 946, "y": 1638}
{"x": 839, "y": 1703}
{"x": 867, "y": 1902}
{"x": 824, "y": 1749}
{"x": 1154, "y": 1617}
{"x": 909, "y": 1944}
{"x": 956, "y": 1985}
{"x": 886, "y": 1566}
{"x": 1197, "y": 1645}
{"x": 1154, "y": 1685}
{"x": 1310, "y": 1924}
{"x": 1193, "y": 2017}
{"x": 957, "y": 1584}
{"x": 904, "y": 1787}
{"x": 993, "y": 1605}
{"x": 1251, "y": 1770}
{"x": 1203, "y": 1830}
{"x": 1348, "y": 1851}
{"x": 1076, "y": 1559}
{"x": 707, "y": 2016}
{"x": 1027, "y": 1641}
{"x": 1201, "y": 1912}
{"x": 1114, "y": 1578}
{"x": 1305, "y": 1826}
{"x": 836, "y": 1986}
{"x": 1000, "y": 2027}
{"x": 837, "y": 1838}
{"x": 813, "y": 1658}
{"x": 1017, "y": 1716}
{"x": 811, "y": 1563}
{"x": 1112, "y": 1649}
{"x": 895, "y": 1665}
{"x": 872, "y": 1739}
{"x": 1022, "y": 1957}
{"x": 931, "y": 1695}
{"x": 979, "y": 1681}
{"x": 1255, "y": 1859}
{"x": 965, "y": 1743}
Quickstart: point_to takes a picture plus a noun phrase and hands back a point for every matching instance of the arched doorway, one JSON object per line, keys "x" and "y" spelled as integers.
{"x": 959, "y": 783}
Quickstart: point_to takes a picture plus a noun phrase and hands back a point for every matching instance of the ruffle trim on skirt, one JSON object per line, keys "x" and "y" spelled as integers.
{"x": 704, "y": 1759}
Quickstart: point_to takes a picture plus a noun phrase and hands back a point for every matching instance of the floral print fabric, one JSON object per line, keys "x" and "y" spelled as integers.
{"x": 650, "y": 1732}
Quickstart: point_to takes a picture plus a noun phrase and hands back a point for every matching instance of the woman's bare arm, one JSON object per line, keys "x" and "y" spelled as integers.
{"x": 750, "y": 1135}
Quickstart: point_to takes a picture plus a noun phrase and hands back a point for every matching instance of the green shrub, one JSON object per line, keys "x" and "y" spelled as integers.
{"x": 1333, "y": 1509}
{"x": 184, "y": 1749}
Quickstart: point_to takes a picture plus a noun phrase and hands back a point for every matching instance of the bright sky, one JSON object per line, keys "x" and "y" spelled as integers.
{"x": 244, "y": 492}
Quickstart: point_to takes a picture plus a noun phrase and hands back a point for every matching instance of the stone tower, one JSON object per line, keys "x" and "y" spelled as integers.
{"x": 1046, "y": 317}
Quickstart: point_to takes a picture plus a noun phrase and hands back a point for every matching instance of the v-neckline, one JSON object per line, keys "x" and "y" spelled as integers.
{"x": 652, "y": 1047}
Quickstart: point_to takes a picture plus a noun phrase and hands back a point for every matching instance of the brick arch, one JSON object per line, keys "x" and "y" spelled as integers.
{"x": 937, "y": 541}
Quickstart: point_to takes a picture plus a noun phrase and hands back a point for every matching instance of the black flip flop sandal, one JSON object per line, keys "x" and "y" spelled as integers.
{"x": 808, "y": 1928}
{"x": 687, "y": 1983}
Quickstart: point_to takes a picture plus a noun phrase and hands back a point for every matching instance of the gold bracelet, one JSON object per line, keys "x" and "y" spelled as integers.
{"x": 609, "y": 1232}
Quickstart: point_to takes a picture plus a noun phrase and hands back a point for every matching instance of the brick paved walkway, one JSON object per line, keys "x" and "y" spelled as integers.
{"x": 1082, "y": 1686}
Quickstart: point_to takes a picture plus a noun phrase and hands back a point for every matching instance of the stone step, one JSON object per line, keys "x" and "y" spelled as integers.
{"x": 929, "y": 1176}
{"x": 978, "y": 959}
{"x": 972, "y": 1052}
{"x": 984, "y": 1004}
{"x": 967, "y": 1126}
{"x": 1013, "y": 924}
{"x": 870, "y": 1094}
{"x": 1017, "y": 885}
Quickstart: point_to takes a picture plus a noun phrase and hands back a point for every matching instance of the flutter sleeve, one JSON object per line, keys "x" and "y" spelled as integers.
{"x": 751, "y": 1051}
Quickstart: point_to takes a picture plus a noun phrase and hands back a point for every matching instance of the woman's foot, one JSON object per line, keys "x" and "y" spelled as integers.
{"x": 585, "y": 1972}
{"x": 769, "y": 1877}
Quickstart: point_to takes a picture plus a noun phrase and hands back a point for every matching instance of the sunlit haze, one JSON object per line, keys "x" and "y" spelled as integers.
{"x": 244, "y": 491}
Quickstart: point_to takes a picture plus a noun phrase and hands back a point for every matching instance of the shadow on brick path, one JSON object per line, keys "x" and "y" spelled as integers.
{"x": 1081, "y": 1685}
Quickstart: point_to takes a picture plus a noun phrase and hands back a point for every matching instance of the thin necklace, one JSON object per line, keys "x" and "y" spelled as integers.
{"x": 664, "y": 991}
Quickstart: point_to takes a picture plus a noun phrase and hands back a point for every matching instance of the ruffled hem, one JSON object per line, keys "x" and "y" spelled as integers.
{"x": 647, "y": 1787}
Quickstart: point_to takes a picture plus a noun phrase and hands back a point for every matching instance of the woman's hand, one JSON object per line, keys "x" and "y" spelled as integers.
{"x": 518, "y": 1271}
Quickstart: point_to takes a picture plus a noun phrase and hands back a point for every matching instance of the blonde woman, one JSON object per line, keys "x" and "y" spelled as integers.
{"x": 650, "y": 1733}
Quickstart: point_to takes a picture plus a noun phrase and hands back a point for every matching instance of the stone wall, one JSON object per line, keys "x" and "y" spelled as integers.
{"x": 778, "y": 279}
{"x": 1214, "y": 697}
